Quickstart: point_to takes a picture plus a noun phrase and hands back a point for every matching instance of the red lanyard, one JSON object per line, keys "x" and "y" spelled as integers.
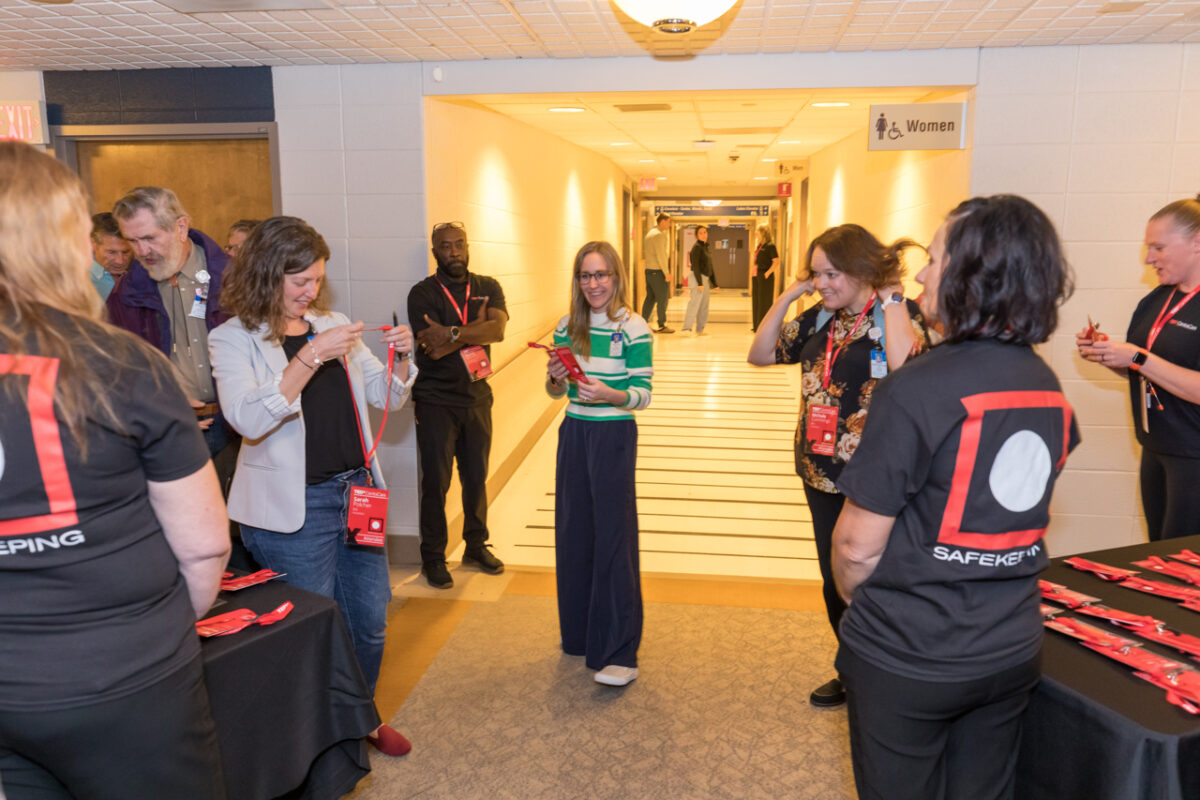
{"x": 358, "y": 420}
{"x": 462, "y": 312}
{"x": 830, "y": 355}
{"x": 1165, "y": 316}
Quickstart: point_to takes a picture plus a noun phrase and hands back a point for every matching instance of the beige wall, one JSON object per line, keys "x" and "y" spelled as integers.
{"x": 1100, "y": 137}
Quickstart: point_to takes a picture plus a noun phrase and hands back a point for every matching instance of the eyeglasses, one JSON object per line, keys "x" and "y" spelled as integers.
{"x": 441, "y": 226}
{"x": 598, "y": 277}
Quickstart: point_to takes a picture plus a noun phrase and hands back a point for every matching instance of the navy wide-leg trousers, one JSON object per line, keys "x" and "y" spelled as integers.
{"x": 596, "y": 542}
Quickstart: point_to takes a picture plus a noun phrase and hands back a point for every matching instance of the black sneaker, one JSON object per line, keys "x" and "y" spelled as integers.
{"x": 664, "y": 329}
{"x": 482, "y": 557}
{"x": 436, "y": 573}
{"x": 828, "y": 695}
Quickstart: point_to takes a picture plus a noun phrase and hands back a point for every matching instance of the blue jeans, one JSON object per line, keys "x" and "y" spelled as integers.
{"x": 318, "y": 558}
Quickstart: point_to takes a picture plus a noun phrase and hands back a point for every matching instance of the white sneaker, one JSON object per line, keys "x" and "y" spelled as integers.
{"x": 614, "y": 675}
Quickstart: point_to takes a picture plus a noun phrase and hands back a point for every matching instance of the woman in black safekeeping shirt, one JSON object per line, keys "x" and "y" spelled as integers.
{"x": 1162, "y": 360}
{"x": 862, "y": 328}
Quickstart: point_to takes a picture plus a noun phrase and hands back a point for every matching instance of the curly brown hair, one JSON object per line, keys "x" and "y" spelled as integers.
{"x": 253, "y": 290}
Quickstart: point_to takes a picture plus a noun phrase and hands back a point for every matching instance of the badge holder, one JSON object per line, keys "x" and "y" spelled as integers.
{"x": 366, "y": 520}
{"x": 820, "y": 428}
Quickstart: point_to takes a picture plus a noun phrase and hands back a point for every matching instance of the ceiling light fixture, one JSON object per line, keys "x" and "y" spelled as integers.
{"x": 837, "y": 104}
{"x": 566, "y": 110}
{"x": 761, "y": 178}
{"x": 703, "y": 144}
{"x": 770, "y": 160}
{"x": 710, "y": 203}
{"x": 792, "y": 141}
{"x": 674, "y": 16}
{"x": 619, "y": 144}
{"x": 645, "y": 160}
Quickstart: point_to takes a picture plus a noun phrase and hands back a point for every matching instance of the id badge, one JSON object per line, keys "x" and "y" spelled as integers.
{"x": 820, "y": 429}
{"x": 878, "y": 364}
{"x": 367, "y": 520}
{"x": 1147, "y": 399}
{"x": 615, "y": 345}
{"x": 199, "y": 306}
{"x": 479, "y": 366}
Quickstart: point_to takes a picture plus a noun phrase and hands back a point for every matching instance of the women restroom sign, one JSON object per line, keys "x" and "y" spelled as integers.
{"x": 25, "y": 122}
{"x": 917, "y": 126}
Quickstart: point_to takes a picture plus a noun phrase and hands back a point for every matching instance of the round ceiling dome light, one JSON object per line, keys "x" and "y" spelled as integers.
{"x": 674, "y": 16}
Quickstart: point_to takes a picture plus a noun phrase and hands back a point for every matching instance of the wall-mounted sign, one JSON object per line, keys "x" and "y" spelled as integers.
{"x": 918, "y": 126}
{"x": 784, "y": 190}
{"x": 741, "y": 210}
{"x": 647, "y": 184}
{"x": 25, "y": 122}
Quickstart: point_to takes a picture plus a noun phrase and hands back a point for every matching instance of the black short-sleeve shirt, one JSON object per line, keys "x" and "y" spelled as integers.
{"x": 445, "y": 380}
{"x": 802, "y": 341}
{"x": 93, "y": 605}
{"x": 763, "y": 257}
{"x": 1174, "y": 431}
{"x": 962, "y": 447}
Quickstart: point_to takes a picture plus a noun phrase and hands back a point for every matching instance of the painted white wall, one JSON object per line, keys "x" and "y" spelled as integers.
{"x": 1100, "y": 137}
{"x": 352, "y": 165}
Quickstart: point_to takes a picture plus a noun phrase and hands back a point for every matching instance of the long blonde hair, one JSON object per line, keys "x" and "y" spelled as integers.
{"x": 44, "y": 258}
{"x": 579, "y": 323}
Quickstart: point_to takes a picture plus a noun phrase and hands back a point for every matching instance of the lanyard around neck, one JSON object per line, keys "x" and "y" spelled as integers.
{"x": 1165, "y": 316}
{"x": 462, "y": 312}
{"x": 830, "y": 355}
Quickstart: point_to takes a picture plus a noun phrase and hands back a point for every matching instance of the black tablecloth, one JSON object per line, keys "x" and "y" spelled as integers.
{"x": 290, "y": 702}
{"x": 1095, "y": 731}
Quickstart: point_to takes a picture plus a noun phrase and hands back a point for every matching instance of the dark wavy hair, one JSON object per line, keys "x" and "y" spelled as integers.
{"x": 1004, "y": 275}
{"x": 253, "y": 290}
{"x": 854, "y": 250}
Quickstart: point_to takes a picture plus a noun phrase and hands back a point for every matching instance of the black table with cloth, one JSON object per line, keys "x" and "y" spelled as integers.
{"x": 289, "y": 700}
{"x": 1095, "y": 731}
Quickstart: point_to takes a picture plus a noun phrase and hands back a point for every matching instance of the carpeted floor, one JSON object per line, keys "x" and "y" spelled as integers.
{"x": 720, "y": 711}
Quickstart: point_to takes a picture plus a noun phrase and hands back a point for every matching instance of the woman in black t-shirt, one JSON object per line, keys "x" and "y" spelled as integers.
{"x": 113, "y": 533}
{"x": 938, "y": 548}
{"x": 295, "y": 379}
{"x": 862, "y": 328}
{"x": 1161, "y": 358}
{"x": 762, "y": 276}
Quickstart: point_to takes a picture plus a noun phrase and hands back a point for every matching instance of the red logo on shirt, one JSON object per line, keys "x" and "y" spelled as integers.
{"x": 61, "y": 513}
{"x": 963, "y": 503}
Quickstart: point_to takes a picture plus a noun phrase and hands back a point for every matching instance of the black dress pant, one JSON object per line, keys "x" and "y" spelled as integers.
{"x": 1170, "y": 495}
{"x": 445, "y": 434}
{"x": 762, "y": 294}
{"x": 934, "y": 740}
{"x": 159, "y": 742}
{"x": 825, "y": 508}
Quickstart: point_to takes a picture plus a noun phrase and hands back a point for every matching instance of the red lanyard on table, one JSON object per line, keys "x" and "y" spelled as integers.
{"x": 462, "y": 312}
{"x": 358, "y": 420}
{"x": 830, "y": 355}
{"x": 1165, "y": 316}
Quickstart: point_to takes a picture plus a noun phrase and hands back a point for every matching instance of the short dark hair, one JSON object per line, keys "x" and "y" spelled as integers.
{"x": 855, "y": 251}
{"x": 701, "y": 228}
{"x": 1005, "y": 274}
{"x": 658, "y": 220}
{"x": 253, "y": 289}
{"x": 104, "y": 224}
{"x": 245, "y": 226}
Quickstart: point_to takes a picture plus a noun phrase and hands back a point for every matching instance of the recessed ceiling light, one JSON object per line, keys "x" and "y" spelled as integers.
{"x": 566, "y": 110}
{"x": 661, "y": 178}
{"x": 761, "y": 178}
{"x": 620, "y": 144}
{"x": 703, "y": 144}
{"x": 710, "y": 203}
{"x": 837, "y": 104}
{"x": 645, "y": 160}
{"x": 792, "y": 141}
{"x": 770, "y": 159}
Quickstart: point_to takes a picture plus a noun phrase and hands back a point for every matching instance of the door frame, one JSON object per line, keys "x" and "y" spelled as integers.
{"x": 65, "y": 139}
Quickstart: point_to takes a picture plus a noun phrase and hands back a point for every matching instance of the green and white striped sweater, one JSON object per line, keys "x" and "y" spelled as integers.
{"x": 627, "y": 366}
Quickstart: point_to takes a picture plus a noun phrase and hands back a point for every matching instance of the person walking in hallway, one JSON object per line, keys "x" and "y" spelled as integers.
{"x": 595, "y": 498}
{"x": 704, "y": 280}
{"x": 456, "y": 315}
{"x": 762, "y": 276}
{"x": 656, "y": 249}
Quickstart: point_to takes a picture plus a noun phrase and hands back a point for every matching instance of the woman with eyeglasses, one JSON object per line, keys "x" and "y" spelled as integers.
{"x": 295, "y": 380}
{"x": 595, "y": 501}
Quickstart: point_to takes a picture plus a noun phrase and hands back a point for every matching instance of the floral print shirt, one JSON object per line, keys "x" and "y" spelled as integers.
{"x": 850, "y": 383}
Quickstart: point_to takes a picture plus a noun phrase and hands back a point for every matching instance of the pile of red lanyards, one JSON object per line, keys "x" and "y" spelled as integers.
{"x": 1180, "y": 681}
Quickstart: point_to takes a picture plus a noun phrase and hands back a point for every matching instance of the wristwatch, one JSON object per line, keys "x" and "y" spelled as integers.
{"x": 1139, "y": 358}
{"x": 897, "y": 297}
{"x": 454, "y": 332}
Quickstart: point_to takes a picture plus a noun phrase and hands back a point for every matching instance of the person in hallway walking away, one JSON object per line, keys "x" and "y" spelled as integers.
{"x": 656, "y": 257}
{"x": 456, "y": 315}
{"x": 862, "y": 329}
{"x": 704, "y": 280}
{"x": 595, "y": 496}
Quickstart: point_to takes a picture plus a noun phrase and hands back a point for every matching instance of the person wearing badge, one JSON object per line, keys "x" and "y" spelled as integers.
{"x": 295, "y": 379}
{"x": 1161, "y": 357}
{"x": 595, "y": 498}
{"x": 862, "y": 329}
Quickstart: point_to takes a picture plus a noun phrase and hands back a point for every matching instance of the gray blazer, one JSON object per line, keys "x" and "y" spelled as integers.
{"x": 268, "y": 486}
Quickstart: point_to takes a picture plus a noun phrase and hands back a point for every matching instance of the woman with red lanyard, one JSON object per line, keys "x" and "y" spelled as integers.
{"x": 862, "y": 329}
{"x": 295, "y": 379}
{"x": 1161, "y": 356}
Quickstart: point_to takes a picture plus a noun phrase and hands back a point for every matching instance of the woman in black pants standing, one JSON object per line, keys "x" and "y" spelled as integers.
{"x": 1161, "y": 358}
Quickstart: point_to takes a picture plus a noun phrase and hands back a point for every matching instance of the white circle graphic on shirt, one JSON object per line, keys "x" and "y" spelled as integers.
{"x": 1021, "y": 471}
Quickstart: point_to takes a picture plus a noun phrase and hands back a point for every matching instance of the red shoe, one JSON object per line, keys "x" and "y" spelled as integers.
{"x": 389, "y": 742}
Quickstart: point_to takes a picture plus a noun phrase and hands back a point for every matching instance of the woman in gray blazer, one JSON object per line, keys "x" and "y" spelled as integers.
{"x": 294, "y": 379}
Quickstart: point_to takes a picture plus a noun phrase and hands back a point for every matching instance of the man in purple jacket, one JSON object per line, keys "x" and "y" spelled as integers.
{"x": 171, "y": 295}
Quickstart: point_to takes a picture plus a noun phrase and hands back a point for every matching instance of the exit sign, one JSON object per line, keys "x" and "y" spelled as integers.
{"x": 25, "y": 122}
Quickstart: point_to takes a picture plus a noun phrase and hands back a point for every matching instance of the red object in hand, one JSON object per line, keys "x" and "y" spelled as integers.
{"x": 1093, "y": 332}
{"x": 568, "y": 360}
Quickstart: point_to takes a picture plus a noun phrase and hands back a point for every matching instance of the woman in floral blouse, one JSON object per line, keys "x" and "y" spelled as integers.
{"x": 862, "y": 329}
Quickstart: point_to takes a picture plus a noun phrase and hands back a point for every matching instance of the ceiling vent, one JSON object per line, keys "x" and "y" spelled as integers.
{"x": 208, "y": 6}
{"x": 630, "y": 108}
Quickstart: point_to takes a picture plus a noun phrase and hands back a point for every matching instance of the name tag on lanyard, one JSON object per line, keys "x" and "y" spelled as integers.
{"x": 367, "y": 519}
